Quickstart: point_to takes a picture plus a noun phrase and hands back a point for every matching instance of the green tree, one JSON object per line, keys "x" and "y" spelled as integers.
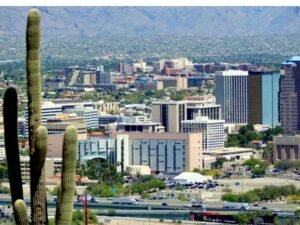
{"x": 112, "y": 212}
{"x": 297, "y": 213}
{"x": 232, "y": 141}
{"x": 230, "y": 197}
{"x": 78, "y": 217}
{"x": 182, "y": 197}
{"x": 251, "y": 162}
{"x": 242, "y": 218}
{"x": 284, "y": 165}
{"x": 218, "y": 164}
{"x": 258, "y": 171}
{"x": 145, "y": 195}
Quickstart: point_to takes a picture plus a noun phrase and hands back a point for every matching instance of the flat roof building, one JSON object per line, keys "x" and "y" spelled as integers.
{"x": 145, "y": 84}
{"x": 147, "y": 126}
{"x": 286, "y": 148}
{"x": 173, "y": 82}
{"x": 57, "y": 125}
{"x": 290, "y": 95}
{"x": 232, "y": 95}
{"x": 263, "y": 97}
{"x": 162, "y": 152}
{"x": 89, "y": 114}
{"x": 212, "y": 132}
{"x": 170, "y": 114}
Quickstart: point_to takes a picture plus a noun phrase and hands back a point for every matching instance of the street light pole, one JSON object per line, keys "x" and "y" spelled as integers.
{"x": 85, "y": 210}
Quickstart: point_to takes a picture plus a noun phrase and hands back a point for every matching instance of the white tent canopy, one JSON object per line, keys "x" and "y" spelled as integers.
{"x": 190, "y": 177}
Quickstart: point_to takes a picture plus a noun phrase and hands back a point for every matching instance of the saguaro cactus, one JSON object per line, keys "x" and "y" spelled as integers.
{"x": 37, "y": 177}
{"x": 65, "y": 198}
{"x": 37, "y": 143}
{"x": 10, "y": 113}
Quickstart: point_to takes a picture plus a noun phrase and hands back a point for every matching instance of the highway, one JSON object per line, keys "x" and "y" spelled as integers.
{"x": 172, "y": 204}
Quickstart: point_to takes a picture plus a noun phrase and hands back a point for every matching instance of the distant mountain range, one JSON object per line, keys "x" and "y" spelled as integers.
{"x": 204, "y": 21}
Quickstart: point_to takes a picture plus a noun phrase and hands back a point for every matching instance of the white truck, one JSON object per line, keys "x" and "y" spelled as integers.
{"x": 236, "y": 205}
{"x": 128, "y": 201}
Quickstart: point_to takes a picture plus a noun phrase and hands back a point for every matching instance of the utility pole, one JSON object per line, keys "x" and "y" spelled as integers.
{"x": 85, "y": 206}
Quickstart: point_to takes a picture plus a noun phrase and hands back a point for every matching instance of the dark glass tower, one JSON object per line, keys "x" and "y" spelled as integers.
{"x": 290, "y": 95}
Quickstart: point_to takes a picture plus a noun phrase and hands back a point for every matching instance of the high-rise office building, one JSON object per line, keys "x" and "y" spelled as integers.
{"x": 212, "y": 132}
{"x": 103, "y": 77}
{"x": 170, "y": 114}
{"x": 203, "y": 108}
{"x": 263, "y": 97}
{"x": 290, "y": 95}
{"x": 231, "y": 94}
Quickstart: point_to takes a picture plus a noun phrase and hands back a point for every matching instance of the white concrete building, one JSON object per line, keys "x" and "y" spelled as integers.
{"x": 171, "y": 113}
{"x": 232, "y": 153}
{"x": 232, "y": 95}
{"x": 212, "y": 132}
{"x": 90, "y": 115}
{"x": 49, "y": 110}
{"x": 138, "y": 170}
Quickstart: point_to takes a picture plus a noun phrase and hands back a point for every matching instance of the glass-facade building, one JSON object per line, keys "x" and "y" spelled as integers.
{"x": 290, "y": 95}
{"x": 263, "y": 97}
{"x": 232, "y": 95}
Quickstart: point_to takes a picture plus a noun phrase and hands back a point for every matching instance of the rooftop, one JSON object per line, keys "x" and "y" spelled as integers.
{"x": 294, "y": 59}
{"x": 232, "y": 73}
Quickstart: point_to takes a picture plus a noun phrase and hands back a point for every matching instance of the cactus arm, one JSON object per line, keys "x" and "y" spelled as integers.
{"x": 41, "y": 147}
{"x": 65, "y": 209}
{"x": 20, "y": 211}
{"x": 10, "y": 113}
{"x": 58, "y": 201}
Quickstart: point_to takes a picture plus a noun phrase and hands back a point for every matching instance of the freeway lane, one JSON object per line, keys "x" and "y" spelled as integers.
{"x": 141, "y": 206}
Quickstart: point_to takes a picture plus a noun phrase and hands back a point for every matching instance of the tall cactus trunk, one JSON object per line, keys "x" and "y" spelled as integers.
{"x": 10, "y": 113}
{"x": 37, "y": 176}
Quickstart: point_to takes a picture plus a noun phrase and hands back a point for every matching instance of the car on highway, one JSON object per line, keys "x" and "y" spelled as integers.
{"x": 89, "y": 198}
{"x": 164, "y": 204}
{"x": 236, "y": 205}
{"x": 128, "y": 201}
{"x": 187, "y": 206}
{"x": 265, "y": 208}
{"x": 193, "y": 200}
{"x": 276, "y": 210}
{"x": 199, "y": 206}
{"x": 255, "y": 204}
